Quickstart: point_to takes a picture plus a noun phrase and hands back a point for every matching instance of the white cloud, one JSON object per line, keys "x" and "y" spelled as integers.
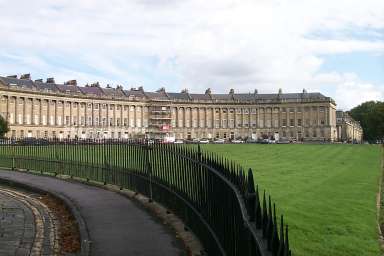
{"x": 222, "y": 44}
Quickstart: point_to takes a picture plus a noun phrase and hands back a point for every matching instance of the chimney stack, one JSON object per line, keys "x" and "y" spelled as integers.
{"x": 39, "y": 80}
{"x": 71, "y": 82}
{"x": 232, "y": 91}
{"x": 26, "y": 76}
{"x": 208, "y": 91}
{"x": 50, "y": 80}
{"x": 12, "y": 76}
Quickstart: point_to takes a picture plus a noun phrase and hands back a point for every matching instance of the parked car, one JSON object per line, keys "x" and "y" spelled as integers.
{"x": 219, "y": 141}
{"x": 250, "y": 140}
{"x": 204, "y": 141}
{"x": 237, "y": 141}
{"x": 178, "y": 142}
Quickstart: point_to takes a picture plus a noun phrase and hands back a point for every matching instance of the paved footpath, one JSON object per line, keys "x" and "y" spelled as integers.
{"x": 116, "y": 225}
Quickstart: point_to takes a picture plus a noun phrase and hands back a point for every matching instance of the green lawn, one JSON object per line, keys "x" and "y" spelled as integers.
{"x": 327, "y": 193}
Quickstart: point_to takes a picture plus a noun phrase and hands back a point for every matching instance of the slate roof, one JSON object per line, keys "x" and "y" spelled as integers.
{"x": 24, "y": 83}
{"x": 178, "y": 96}
{"x": 112, "y": 92}
{"x": 158, "y": 95}
{"x": 93, "y": 90}
{"x": 68, "y": 88}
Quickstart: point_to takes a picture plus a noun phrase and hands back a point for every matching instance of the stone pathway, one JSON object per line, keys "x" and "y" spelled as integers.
{"x": 116, "y": 225}
{"x": 27, "y": 226}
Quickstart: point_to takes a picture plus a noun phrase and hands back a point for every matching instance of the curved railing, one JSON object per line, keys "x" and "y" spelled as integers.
{"x": 213, "y": 196}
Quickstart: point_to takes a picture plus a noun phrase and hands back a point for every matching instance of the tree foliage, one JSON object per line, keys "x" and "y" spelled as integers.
{"x": 4, "y": 127}
{"x": 370, "y": 114}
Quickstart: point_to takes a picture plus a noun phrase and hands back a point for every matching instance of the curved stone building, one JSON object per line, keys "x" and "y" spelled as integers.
{"x": 45, "y": 109}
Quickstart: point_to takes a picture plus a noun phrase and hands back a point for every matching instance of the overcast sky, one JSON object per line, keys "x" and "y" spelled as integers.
{"x": 335, "y": 47}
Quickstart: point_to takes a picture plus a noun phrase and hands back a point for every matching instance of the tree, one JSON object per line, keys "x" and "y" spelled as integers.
{"x": 4, "y": 127}
{"x": 370, "y": 114}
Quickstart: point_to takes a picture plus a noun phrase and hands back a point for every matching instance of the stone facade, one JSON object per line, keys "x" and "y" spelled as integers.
{"x": 348, "y": 130}
{"x": 47, "y": 109}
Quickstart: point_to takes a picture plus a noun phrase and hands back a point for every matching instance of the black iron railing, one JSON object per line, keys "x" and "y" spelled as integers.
{"x": 214, "y": 197}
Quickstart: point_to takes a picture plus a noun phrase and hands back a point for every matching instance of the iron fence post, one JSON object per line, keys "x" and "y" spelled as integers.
{"x": 149, "y": 169}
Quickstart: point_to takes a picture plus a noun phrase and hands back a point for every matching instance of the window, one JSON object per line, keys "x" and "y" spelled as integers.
{"x": 110, "y": 107}
{"x": 284, "y": 122}
{"x": 283, "y": 109}
{"x": 291, "y": 122}
{"x": 66, "y": 120}
{"x": 96, "y": 106}
{"x": 322, "y": 121}
{"x": 125, "y": 121}
{"x": 322, "y": 133}
{"x": 284, "y": 134}
{"x": 299, "y": 123}
{"x": 291, "y": 110}
{"x": 321, "y": 109}
{"x": 298, "y": 109}
{"x": 307, "y": 122}
{"x": 314, "y": 134}
{"x": 276, "y": 123}
{"x": 110, "y": 121}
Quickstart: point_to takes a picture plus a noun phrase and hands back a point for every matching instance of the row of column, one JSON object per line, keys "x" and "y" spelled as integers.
{"x": 78, "y": 116}
{"x": 185, "y": 117}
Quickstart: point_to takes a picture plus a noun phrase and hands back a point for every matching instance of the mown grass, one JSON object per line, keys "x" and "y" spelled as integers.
{"x": 327, "y": 193}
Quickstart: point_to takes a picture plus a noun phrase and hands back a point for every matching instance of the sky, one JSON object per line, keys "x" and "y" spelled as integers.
{"x": 335, "y": 47}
